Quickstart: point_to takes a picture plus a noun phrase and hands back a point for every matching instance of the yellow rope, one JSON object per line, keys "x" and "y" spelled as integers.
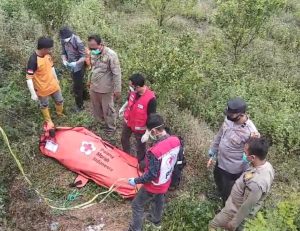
{"x": 46, "y": 200}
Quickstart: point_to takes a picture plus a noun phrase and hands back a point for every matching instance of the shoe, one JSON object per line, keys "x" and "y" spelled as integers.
{"x": 151, "y": 223}
{"x": 77, "y": 109}
{"x": 59, "y": 110}
{"x": 109, "y": 131}
{"x": 46, "y": 115}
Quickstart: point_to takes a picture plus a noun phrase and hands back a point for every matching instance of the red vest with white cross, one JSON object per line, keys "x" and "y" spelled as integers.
{"x": 167, "y": 152}
{"x": 136, "y": 113}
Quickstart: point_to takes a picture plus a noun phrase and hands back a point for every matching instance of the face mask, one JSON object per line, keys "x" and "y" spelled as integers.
{"x": 152, "y": 137}
{"x": 146, "y": 136}
{"x": 67, "y": 39}
{"x": 96, "y": 52}
{"x": 233, "y": 119}
{"x": 245, "y": 159}
{"x": 131, "y": 88}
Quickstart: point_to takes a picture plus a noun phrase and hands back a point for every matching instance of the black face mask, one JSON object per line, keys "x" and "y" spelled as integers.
{"x": 234, "y": 119}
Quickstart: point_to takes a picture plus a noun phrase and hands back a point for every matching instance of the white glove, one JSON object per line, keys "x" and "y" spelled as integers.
{"x": 65, "y": 62}
{"x": 31, "y": 89}
{"x": 146, "y": 136}
{"x": 122, "y": 109}
{"x": 54, "y": 73}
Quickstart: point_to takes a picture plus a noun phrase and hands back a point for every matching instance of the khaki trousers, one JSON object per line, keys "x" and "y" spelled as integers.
{"x": 103, "y": 108}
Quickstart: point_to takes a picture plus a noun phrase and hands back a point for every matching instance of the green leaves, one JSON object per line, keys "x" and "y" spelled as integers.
{"x": 51, "y": 13}
{"x": 242, "y": 20}
{"x": 284, "y": 217}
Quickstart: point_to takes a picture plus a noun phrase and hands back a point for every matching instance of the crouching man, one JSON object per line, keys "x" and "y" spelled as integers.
{"x": 160, "y": 160}
{"x": 249, "y": 190}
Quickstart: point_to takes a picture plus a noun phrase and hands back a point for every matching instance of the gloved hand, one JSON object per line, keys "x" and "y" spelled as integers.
{"x": 145, "y": 137}
{"x": 31, "y": 89}
{"x": 122, "y": 109}
{"x": 212, "y": 156}
{"x": 131, "y": 182}
{"x": 212, "y": 153}
{"x": 65, "y": 62}
{"x": 34, "y": 97}
{"x": 72, "y": 65}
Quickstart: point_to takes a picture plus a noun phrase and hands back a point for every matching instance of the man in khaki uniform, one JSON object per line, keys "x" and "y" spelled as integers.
{"x": 249, "y": 190}
{"x": 228, "y": 146}
{"x": 105, "y": 82}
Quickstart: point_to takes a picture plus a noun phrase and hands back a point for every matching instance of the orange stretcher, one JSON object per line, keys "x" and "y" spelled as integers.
{"x": 92, "y": 158}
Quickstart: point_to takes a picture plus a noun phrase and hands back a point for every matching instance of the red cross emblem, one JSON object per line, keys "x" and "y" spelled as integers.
{"x": 87, "y": 147}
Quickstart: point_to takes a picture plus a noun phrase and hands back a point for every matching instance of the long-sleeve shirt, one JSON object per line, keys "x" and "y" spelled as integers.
{"x": 106, "y": 72}
{"x": 229, "y": 144}
{"x": 153, "y": 166}
{"x": 153, "y": 171}
{"x": 74, "y": 51}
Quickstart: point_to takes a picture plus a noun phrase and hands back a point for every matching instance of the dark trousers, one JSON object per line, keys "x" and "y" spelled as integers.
{"x": 224, "y": 181}
{"x": 142, "y": 199}
{"x": 78, "y": 87}
{"x": 125, "y": 140}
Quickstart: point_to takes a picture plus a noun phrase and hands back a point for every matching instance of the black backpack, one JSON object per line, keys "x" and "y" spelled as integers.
{"x": 181, "y": 163}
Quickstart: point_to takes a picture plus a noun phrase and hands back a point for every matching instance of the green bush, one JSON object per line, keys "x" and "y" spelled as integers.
{"x": 242, "y": 20}
{"x": 51, "y": 13}
{"x": 186, "y": 213}
{"x": 284, "y": 217}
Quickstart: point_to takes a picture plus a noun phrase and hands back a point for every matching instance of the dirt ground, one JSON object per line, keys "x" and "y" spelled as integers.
{"x": 28, "y": 212}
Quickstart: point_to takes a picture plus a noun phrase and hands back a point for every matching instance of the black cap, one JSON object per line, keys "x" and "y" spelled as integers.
{"x": 236, "y": 105}
{"x": 154, "y": 120}
{"x": 65, "y": 32}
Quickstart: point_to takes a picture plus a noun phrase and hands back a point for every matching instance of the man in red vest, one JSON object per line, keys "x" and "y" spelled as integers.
{"x": 160, "y": 160}
{"x": 141, "y": 103}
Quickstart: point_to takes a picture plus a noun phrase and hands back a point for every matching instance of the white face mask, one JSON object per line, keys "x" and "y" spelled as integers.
{"x": 131, "y": 88}
{"x": 66, "y": 40}
{"x": 148, "y": 135}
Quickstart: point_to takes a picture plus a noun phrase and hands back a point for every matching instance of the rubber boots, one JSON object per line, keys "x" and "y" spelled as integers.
{"x": 46, "y": 114}
{"x": 59, "y": 110}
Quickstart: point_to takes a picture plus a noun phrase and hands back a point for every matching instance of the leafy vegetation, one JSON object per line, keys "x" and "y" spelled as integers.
{"x": 195, "y": 57}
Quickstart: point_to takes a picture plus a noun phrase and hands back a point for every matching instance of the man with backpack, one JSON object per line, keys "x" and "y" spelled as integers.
{"x": 160, "y": 160}
{"x": 73, "y": 58}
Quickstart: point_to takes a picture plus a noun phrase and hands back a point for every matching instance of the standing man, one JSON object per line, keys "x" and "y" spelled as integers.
{"x": 249, "y": 190}
{"x": 228, "y": 146}
{"x": 141, "y": 103}
{"x": 105, "y": 83}
{"x": 73, "y": 57}
{"x": 160, "y": 160}
{"x": 42, "y": 80}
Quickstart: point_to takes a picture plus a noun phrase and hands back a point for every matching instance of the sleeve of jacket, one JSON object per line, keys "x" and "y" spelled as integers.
{"x": 217, "y": 139}
{"x": 80, "y": 47}
{"x": 63, "y": 50}
{"x": 253, "y": 194}
{"x": 152, "y": 173}
{"x": 116, "y": 71}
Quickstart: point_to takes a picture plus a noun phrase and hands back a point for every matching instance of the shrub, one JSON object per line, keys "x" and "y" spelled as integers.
{"x": 186, "y": 213}
{"x": 51, "y": 13}
{"x": 284, "y": 217}
{"x": 242, "y": 20}
{"x": 166, "y": 9}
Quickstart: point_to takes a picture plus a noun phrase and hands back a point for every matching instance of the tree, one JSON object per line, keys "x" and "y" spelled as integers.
{"x": 166, "y": 9}
{"x": 51, "y": 13}
{"x": 242, "y": 20}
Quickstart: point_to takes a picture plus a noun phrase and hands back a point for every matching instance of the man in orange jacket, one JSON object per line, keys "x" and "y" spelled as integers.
{"x": 42, "y": 79}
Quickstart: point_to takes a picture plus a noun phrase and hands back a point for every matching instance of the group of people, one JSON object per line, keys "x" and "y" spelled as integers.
{"x": 242, "y": 174}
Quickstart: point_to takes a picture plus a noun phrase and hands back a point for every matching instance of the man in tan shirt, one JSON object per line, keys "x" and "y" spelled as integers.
{"x": 249, "y": 191}
{"x": 105, "y": 82}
